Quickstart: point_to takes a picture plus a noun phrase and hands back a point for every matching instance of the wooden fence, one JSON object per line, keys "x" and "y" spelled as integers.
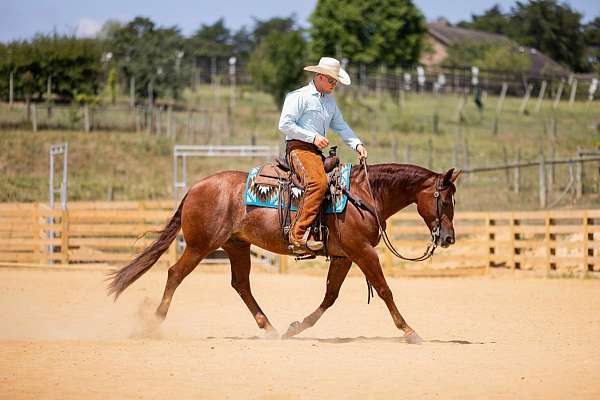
{"x": 558, "y": 240}
{"x": 107, "y": 233}
{"x": 88, "y": 233}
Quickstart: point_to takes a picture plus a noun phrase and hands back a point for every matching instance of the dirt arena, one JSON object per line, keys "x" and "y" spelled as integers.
{"x": 485, "y": 337}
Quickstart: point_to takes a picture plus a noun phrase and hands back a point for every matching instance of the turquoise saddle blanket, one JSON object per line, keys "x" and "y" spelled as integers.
{"x": 267, "y": 195}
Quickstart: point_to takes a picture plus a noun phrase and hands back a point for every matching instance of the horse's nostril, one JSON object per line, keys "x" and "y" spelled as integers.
{"x": 449, "y": 239}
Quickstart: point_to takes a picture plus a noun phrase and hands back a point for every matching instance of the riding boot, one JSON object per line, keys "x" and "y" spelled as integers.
{"x": 308, "y": 165}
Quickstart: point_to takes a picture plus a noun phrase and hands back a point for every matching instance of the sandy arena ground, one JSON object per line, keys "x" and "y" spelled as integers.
{"x": 485, "y": 337}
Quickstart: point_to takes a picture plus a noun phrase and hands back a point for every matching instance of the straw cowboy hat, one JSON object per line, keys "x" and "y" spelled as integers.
{"x": 330, "y": 67}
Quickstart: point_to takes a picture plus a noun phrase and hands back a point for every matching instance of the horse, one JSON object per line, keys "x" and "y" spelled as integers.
{"x": 213, "y": 215}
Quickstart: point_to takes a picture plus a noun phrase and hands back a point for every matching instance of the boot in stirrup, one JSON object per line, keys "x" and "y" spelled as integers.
{"x": 305, "y": 245}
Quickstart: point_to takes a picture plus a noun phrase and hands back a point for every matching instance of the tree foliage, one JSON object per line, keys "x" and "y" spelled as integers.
{"x": 277, "y": 64}
{"x": 151, "y": 55}
{"x": 549, "y": 26}
{"x": 387, "y": 32}
{"x": 72, "y": 63}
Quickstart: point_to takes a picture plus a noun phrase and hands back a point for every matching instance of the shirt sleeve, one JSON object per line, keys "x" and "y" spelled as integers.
{"x": 293, "y": 107}
{"x": 341, "y": 127}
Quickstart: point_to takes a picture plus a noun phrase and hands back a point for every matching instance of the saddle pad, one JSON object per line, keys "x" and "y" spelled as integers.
{"x": 263, "y": 195}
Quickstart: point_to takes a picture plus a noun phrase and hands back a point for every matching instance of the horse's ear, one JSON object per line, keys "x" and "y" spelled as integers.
{"x": 451, "y": 176}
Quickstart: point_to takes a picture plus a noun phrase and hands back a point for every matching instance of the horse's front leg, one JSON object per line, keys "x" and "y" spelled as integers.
{"x": 338, "y": 269}
{"x": 368, "y": 262}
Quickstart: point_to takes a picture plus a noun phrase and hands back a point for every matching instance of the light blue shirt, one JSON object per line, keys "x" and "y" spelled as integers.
{"x": 306, "y": 112}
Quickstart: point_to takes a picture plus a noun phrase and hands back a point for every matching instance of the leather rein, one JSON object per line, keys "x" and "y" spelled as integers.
{"x": 435, "y": 231}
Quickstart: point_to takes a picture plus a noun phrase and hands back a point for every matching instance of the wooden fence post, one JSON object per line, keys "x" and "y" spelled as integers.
{"x": 64, "y": 246}
{"x": 517, "y": 186}
{"x": 491, "y": 236}
{"x": 538, "y": 106}
{"x": 86, "y": 118}
{"x": 586, "y": 243}
{"x": 547, "y": 241}
{"x": 430, "y": 154}
{"x": 573, "y": 92}
{"x": 407, "y": 154}
{"x": 500, "y": 103}
{"x": 11, "y": 91}
{"x": 283, "y": 264}
{"x": 542, "y": 181}
{"x": 525, "y": 100}
{"x": 169, "y": 121}
{"x": 34, "y": 117}
{"x": 558, "y": 94}
{"x": 507, "y": 170}
{"x": 579, "y": 176}
{"x": 513, "y": 250}
{"x": 591, "y": 252}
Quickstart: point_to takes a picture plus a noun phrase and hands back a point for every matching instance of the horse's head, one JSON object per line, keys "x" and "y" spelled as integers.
{"x": 435, "y": 204}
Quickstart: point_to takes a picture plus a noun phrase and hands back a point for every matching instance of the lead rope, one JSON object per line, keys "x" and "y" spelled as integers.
{"x": 430, "y": 246}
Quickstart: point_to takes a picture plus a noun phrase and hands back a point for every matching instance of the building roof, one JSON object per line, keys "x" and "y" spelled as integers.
{"x": 448, "y": 35}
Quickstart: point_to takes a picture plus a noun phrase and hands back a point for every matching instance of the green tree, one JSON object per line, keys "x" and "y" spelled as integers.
{"x": 277, "y": 64}
{"x": 549, "y": 26}
{"x": 492, "y": 20}
{"x": 72, "y": 63}
{"x": 553, "y": 28}
{"x": 591, "y": 37}
{"x": 150, "y": 54}
{"x": 387, "y": 32}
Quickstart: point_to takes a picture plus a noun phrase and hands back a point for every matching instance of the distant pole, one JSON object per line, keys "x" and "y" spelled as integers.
{"x": 232, "y": 82}
{"x": 430, "y": 154}
{"x": 538, "y": 106}
{"x": 592, "y": 90}
{"x": 558, "y": 94}
{"x": 132, "y": 92}
{"x": 49, "y": 97}
{"x": 501, "y": 99}
{"x": 34, "y": 117}
{"x": 525, "y": 100}
{"x": 517, "y": 187}
{"x": 542, "y": 170}
{"x": 505, "y": 157}
{"x": 213, "y": 77}
{"x": 407, "y": 154}
{"x": 11, "y": 91}
{"x": 573, "y": 93}
{"x": 86, "y": 117}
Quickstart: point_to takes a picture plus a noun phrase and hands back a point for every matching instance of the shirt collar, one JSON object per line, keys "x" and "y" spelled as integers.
{"x": 313, "y": 89}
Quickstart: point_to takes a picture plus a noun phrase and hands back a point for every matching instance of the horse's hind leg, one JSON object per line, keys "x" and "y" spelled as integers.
{"x": 239, "y": 256}
{"x": 182, "y": 268}
{"x": 338, "y": 269}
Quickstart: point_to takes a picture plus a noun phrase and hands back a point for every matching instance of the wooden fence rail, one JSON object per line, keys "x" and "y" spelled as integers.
{"x": 109, "y": 233}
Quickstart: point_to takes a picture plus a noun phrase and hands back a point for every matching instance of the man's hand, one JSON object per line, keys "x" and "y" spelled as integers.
{"x": 362, "y": 152}
{"x": 320, "y": 141}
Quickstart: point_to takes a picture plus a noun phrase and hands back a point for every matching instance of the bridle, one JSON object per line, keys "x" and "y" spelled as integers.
{"x": 435, "y": 229}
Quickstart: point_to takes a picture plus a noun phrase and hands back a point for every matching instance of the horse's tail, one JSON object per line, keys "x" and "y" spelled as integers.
{"x": 125, "y": 276}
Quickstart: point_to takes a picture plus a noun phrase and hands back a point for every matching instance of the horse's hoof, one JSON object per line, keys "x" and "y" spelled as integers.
{"x": 271, "y": 334}
{"x": 413, "y": 338}
{"x": 293, "y": 330}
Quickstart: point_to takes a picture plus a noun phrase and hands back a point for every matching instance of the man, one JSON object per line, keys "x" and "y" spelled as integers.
{"x": 306, "y": 116}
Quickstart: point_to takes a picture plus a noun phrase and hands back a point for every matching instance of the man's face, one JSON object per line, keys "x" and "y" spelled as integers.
{"x": 325, "y": 83}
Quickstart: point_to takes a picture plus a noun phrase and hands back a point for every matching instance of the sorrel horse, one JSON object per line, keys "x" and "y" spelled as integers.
{"x": 212, "y": 215}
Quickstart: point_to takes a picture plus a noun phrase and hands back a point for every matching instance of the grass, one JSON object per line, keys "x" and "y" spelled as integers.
{"x": 125, "y": 164}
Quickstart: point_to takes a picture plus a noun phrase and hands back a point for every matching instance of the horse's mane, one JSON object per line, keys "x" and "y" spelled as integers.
{"x": 383, "y": 176}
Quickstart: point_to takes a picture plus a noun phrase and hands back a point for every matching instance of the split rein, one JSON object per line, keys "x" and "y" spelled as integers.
{"x": 435, "y": 232}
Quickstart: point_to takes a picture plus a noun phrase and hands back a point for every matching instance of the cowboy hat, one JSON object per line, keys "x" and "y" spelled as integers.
{"x": 330, "y": 67}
